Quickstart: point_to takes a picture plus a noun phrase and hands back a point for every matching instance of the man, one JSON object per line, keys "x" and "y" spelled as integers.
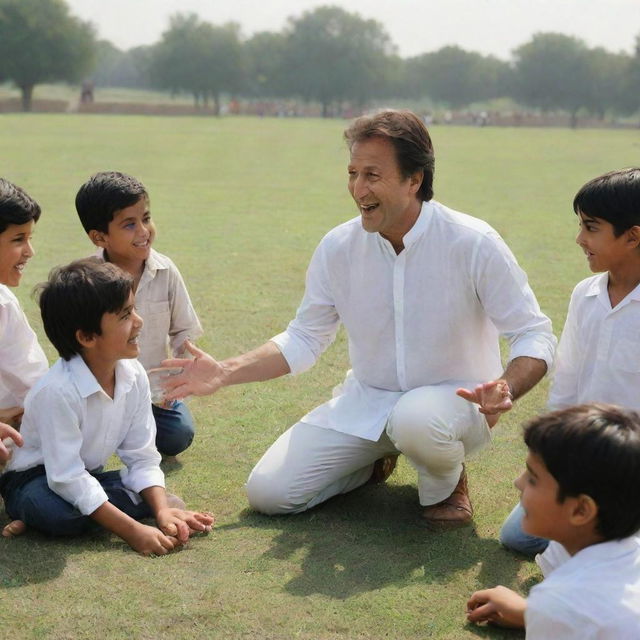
{"x": 423, "y": 292}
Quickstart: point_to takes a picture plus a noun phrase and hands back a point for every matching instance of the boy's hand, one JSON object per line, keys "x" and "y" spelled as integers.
{"x": 493, "y": 397}
{"x": 181, "y": 523}
{"x": 499, "y": 605}
{"x": 201, "y": 375}
{"x": 151, "y": 541}
{"x": 12, "y": 416}
{"x": 8, "y": 432}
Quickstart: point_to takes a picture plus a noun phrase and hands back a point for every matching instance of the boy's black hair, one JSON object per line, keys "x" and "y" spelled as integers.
{"x": 16, "y": 206}
{"x": 76, "y": 297}
{"x": 103, "y": 195}
{"x": 593, "y": 449}
{"x": 614, "y": 197}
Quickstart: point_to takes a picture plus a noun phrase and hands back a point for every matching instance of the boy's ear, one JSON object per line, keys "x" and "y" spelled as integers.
{"x": 584, "y": 512}
{"x": 633, "y": 235}
{"x": 98, "y": 238}
{"x": 86, "y": 340}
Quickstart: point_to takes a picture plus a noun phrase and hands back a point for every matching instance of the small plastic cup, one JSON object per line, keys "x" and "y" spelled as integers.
{"x": 157, "y": 378}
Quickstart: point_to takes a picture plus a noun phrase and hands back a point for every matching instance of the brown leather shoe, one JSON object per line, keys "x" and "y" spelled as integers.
{"x": 454, "y": 511}
{"x": 383, "y": 468}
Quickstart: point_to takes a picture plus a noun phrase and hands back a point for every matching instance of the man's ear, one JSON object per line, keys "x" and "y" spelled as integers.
{"x": 98, "y": 238}
{"x": 584, "y": 511}
{"x": 86, "y": 340}
{"x": 416, "y": 181}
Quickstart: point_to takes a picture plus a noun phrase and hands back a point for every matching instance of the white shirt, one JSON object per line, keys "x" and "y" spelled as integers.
{"x": 598, "y": 356}
{"x": 72, "y": 427}
{"x": 22, "y": 360}
{"x": 164, "y": 304}
{"x": 429, "y": 315}
{"x": 593, "y": 595}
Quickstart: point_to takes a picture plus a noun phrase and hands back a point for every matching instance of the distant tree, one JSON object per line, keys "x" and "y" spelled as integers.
{"x": 607, "y": 87}
{"x": 41, "y": 42}
{"x": 265, "y": 64}
{"x": 553, "y": 71}
{"x": 116, "y": 68}
{"x": 457, "y": 77}
{"x": 198, "y": 58}
{"x": 332, "y": 56}
{"x": 631, "y": 91}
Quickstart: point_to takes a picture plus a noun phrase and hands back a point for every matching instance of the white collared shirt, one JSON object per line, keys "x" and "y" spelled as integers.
{"x": 72, "y": 427}
{"x": 164, "y": 304}
{"x": 431, "y": 314}
{"x": 599, "y": 352}
{"x": 593, "y": 595}
{"x": 22, "y": 360}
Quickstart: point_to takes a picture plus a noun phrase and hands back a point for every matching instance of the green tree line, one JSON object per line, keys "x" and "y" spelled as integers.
{"x": 327, "y": 56}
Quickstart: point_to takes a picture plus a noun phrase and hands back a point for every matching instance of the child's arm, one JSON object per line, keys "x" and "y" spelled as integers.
{"x": 179, "y": 523}
{"x": 8, "y": 432}
{"x": 499, "y": 605}
{"x": 140, "y": 537}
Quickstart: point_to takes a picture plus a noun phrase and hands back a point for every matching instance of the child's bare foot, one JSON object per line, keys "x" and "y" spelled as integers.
{"x": 14, "y": 528}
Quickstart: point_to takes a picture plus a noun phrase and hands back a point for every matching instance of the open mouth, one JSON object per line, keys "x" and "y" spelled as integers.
{"x": 368, "y": 208}
{"x": 20, "y": 266}
{"x": 141, "y": 245}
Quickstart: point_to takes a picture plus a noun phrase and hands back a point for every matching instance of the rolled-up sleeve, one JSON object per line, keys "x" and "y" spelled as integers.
{"x": 316, "y": 323}
{"x": 508, "y": 300}
{"x": 138, "y": 449}
{"x": 184, "y": 320}
{"x": 57, "y": 421}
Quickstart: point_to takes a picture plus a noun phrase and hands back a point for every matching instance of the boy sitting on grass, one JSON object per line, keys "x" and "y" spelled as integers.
{"x": 22, "y": 361}
{"x": 114, "y": 210}
{"x": 598, "y": 358}
{"x": 93, "y": 402}
{"x": 580, "y": 490}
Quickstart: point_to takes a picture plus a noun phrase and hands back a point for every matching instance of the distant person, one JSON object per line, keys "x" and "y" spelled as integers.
{"x": 580, "y": 491}
{"x": 86, "y": 92}
{"x": 92, "y": 403}
{"x": 114, "y": 210}
{"x": 599, "y": 353}
{"x": 424, "y": 293}
{"x": 22, "y": 361}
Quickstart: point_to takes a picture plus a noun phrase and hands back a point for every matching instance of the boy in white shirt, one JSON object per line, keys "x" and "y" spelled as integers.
{"x": 22, "y": 361}
{"x": 598, "y": 358}
{"x": 580, "y": 491}
{"x": 92, "y": 403}
{"x": 114, "y": 210}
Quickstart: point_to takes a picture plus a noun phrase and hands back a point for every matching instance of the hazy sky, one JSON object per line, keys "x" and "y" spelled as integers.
{"x": 415, "y": 26}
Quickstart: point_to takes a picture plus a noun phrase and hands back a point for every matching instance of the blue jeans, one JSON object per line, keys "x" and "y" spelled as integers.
{"x": 42, "y": 509}
{"x": 175, "y": 428}
{"x": 513, "y": 537}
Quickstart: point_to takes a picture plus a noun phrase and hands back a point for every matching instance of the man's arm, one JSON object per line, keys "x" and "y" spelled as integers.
{"x": 204, "y": 375}
{"x": 497, "y": 396}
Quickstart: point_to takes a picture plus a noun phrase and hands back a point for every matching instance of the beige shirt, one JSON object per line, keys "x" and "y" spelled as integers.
{"x": 164, "y": 304}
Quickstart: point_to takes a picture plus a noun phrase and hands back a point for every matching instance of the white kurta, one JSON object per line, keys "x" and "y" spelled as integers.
{"x": 429, "y": 315}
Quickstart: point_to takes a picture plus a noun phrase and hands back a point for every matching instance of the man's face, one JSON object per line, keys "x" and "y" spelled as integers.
{"x": 387, "y": 202}
{"x": 544, "y": 516}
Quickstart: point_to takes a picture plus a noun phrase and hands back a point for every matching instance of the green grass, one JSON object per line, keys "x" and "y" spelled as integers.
{"x": 240, "y": 204}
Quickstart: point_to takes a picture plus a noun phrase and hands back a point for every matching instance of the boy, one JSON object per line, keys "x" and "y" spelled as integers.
{"x": 598, "y": 357}
{"x": 93, "y": 402}
{"x": 580, "y": 491}
{"x": 22, "y": 361}
{"x": 114, "y": 211}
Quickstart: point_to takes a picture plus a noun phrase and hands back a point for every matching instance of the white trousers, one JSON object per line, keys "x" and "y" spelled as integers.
{"x": 307, "y": 464}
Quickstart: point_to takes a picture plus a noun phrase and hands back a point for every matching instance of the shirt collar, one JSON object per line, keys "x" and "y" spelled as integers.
{"x": 88, "y": 385}
{"x": 598, "y": 285}
{"x": 419, "y": 226}
{"x": 610, "y": 550}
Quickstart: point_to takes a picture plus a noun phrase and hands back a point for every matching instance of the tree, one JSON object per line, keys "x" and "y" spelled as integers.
{"x": 200, "y": 58}
{"x": 265, "y": 64}
{"x": 552, "y": 71}
{"x": 41, "y": 42}
{"x": 332, "y": 55}
{"x": 608, "y": 73}
{"x": 457, "y": 77}
{"x": 116, "y": 68}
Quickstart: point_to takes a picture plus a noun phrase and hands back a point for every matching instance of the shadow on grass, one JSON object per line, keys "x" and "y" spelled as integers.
{"x": 33, "y": 557}
{"x": 372, "y": 538}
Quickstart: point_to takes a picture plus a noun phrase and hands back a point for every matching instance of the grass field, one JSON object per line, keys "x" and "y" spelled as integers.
{"x": 240, "y": 204}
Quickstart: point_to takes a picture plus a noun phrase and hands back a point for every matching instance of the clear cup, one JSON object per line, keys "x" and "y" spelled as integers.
{"x": 157, "y": 378}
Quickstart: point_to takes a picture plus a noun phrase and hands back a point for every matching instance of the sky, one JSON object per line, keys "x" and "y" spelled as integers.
{"x": 415, "y": 26}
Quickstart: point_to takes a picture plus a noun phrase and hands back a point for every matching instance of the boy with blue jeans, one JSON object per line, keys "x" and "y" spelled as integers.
{"x": 22, "y": 361}
{"x": 579, "y": 490}
{"x": 114, "y": 210}
{"x": 598, "y": 358}
{"x": 92, "y": 403}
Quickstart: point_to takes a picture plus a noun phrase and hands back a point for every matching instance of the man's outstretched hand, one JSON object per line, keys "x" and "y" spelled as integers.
{"x": 201, "y": 376}
{"x": 493, "y": 398}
